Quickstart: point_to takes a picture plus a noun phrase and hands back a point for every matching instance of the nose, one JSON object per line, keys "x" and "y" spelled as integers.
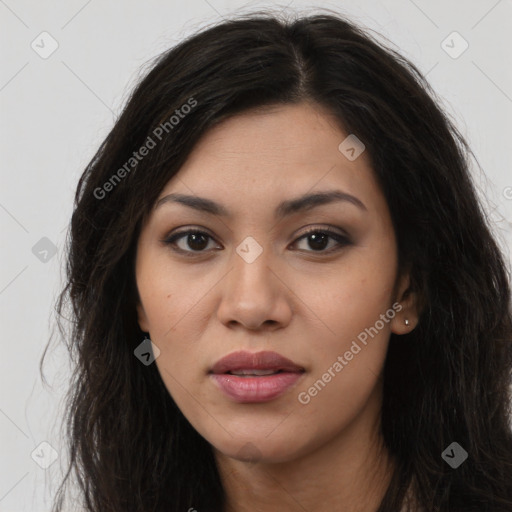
{"x": 254, "y": 295}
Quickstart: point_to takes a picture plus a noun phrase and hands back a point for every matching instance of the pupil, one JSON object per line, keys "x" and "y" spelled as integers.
{"x": 318, "y": 241}
{"x": 193, "y": 238}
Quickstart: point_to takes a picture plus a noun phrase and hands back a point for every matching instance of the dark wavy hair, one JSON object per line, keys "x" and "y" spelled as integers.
{"x": 130, "y": 447}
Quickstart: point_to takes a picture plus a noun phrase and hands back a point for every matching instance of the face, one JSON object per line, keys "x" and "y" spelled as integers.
{"x": 264, "y": 271}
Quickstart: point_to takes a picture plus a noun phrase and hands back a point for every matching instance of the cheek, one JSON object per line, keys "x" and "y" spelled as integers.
{"x": 351, "y": 337}
{"x": 352, "y": 299}
{"x": 349, "y": 354}
{"x": 170, "y": 306}
{"x": 167, "y": 294}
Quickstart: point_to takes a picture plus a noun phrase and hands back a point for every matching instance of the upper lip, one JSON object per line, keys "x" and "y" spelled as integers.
{"x": 243, "y": 360}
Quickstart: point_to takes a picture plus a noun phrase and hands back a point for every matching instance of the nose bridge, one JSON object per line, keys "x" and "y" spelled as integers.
{"x": 251, "y": 264}
{"x": 252, "y": 294}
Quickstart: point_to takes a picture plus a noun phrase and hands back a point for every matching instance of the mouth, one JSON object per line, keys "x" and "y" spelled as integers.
{"x": 253, "y": 372}
{"x": 259, "y": 363}
{"x": 246, "y": 377}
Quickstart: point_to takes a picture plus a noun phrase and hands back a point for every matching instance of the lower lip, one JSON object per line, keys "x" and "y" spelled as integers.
{"x": 255, "y": 389}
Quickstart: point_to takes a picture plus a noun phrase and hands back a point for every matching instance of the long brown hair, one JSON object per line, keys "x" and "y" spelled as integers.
{"x": 131, "y": 449}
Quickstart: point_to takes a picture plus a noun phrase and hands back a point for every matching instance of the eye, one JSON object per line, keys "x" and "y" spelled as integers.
{"x": 318, "y": 238}
{"x": 197, "y": 240}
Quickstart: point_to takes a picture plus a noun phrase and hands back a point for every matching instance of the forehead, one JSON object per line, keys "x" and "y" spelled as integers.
{"x": 256, "y": 157}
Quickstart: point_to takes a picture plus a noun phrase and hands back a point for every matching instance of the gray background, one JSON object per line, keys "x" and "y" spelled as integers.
{"x": 55, "y": 111}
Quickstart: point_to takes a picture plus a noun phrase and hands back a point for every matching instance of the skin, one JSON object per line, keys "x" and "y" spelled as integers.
{"x": 304, "y": 304}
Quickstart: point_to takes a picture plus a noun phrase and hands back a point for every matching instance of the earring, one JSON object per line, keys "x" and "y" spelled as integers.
{"x": 406, "y": 321}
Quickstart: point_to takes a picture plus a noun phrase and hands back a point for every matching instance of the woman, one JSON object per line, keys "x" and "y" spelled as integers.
{"x": 286, "y": 295}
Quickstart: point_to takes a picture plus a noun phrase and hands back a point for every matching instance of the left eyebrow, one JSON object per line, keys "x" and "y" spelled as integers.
{"x": 284, "y": 209}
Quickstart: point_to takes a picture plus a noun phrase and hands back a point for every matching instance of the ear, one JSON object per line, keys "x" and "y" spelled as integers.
{"x": 409, "y": 307}
{"x": 142, "y": 318}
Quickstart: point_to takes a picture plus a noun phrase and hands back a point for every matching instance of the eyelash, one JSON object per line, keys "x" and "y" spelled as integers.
{"x": 342, "y": 240}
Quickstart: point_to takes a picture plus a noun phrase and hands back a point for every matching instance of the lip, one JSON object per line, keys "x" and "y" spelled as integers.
{"x": 258, "y": 388}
